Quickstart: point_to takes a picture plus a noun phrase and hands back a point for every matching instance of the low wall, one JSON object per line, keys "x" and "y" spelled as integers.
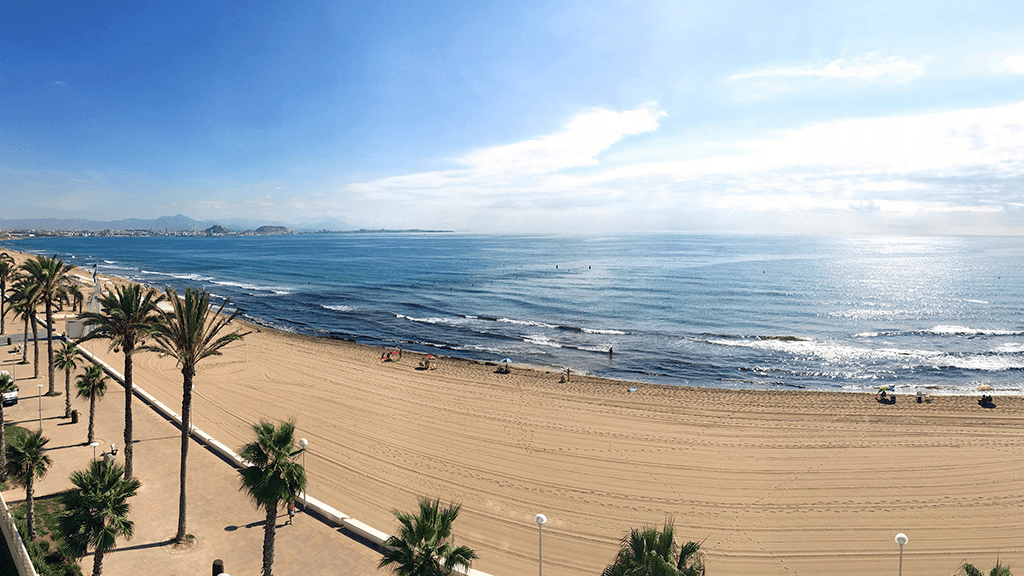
{"x": 329, "y": 514}
{"x": 14, "y": 542}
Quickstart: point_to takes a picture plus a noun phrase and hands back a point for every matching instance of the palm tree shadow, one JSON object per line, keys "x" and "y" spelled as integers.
{"x": 167, "y": 542}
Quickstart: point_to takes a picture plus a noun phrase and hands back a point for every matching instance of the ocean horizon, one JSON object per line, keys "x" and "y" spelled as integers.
{"x": 941, "y": 314}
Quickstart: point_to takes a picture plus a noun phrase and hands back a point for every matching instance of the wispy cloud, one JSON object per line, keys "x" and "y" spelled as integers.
{"x": 1012, "y": 64}
{"x": 964, "y": 165}
{"x": 586, "y": 135}
{"x": 869, "y": 67}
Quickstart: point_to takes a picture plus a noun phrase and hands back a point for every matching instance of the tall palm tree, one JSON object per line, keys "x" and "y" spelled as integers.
{"x": 653, "y": 552}
{"x": 92, "y": 385}
{"x": 7, "y": 274}
{"x": 66, "y": 359}
{"x": 23, "y": 302}
{"x": 190, "y": 332}
{"x": 96, "y": 513}
{"x": 50, "y": 277}
{"x": 129, "y": 315}
{"x": 423, "y": 546}
{"x": 6, "y": 385}
{"x": 77, "y": 297}
{"x": 272, "y": 477}
{"x": 26, "y": 461}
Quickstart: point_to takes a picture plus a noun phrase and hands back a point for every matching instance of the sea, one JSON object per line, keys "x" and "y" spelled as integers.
{"x": 836, "y": 313}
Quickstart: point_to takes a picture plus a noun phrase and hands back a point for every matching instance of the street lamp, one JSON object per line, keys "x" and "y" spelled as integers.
{"x": 901, "y": 539}
{"x": 303, "y": 443}
{"x": 40, "y": 407}
{"x": 539, "y": 520}
{"x": 94, "y": 445}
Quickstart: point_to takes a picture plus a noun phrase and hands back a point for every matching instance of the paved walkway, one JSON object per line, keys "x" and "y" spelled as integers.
{"x": 225, "y": 523}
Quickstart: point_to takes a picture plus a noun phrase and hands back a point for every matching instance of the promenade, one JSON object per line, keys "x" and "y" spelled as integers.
{"x": 226, "y": 525}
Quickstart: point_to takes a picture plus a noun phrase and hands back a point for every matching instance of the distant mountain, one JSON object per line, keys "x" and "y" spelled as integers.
{"x": 175, "y": 223}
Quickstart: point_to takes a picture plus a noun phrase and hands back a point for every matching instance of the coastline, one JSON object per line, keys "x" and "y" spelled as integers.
{"x": 774, "y": 482}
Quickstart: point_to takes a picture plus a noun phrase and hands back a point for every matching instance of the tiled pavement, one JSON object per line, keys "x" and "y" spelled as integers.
{"x": 225, "y": 523}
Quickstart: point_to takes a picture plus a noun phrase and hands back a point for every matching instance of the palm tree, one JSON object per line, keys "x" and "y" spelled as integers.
{"x": 50, "y": 277}
{"x": 129, "y": 315}
{"x": 272, "y": 477}
{"x": 653, "y": 552}
{"x": 96, "y": 513}
{"x": 77, "y": 297}
{"x": 92, "y": 385}
{"x": 7, "y": 273}
{"x": 23, "y": 303}
{"x": 65, "y": 359}
{"x": 998, "y": 570}
{"x": 26, "y": 461}
{"x": 423, "y": 546}
{"x": 6, "y": 385}
{"x": 190, "y": 333}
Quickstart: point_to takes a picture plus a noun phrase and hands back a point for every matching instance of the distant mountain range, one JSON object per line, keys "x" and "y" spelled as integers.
{"x": 173, "y": 223}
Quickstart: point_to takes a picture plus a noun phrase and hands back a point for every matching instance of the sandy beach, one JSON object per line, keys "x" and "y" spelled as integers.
{"x": 771, "y": 482}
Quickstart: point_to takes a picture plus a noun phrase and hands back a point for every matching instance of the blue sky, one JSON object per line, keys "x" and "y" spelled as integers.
{"x": 816, "y": 117}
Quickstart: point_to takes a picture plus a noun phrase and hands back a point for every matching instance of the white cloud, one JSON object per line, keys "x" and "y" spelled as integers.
{"x": 963, "y": 169}
{"x": 869, "y": 67}
{"x": 1012, "y": 64}
{"x": 586, "y": 135}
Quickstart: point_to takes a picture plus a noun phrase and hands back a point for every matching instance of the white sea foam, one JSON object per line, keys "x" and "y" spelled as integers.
{"x": 338, "y": 307}
{"x": 527, "y": 323}
{"x": 541, "y": 340}
{"x": 1010, "y": 348}
{"x": 977, "y": 301}
{"x": 953, "y": 330}
{"x": 596, "y": 331}
{"x": 433, "y": 320}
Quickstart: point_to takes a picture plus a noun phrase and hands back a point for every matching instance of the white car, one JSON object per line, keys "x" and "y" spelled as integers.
{"x": 10, "y": 398}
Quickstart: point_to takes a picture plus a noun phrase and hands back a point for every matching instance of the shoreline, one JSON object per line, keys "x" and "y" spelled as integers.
{"x": 773, "y": 482}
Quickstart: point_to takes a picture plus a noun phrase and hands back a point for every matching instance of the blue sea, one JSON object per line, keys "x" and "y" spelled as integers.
{"x": 944, "y": 314}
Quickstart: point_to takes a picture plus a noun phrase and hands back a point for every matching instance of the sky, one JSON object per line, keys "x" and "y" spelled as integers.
{"x": 525, "y": 116}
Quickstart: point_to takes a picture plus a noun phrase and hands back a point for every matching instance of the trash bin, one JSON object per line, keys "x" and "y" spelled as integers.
{"x": 74, "y": 416}
{"x": 218, "y": 567}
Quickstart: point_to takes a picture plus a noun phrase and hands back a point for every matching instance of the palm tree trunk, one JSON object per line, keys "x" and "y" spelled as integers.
{"x": 269, "y": 535}
{"x": 97, "y": 563}
{"x": 3, "y": 300}
{"x": 49, "y": 347}
{"x": 30, "y": 509}
{"x": 92, "y": 413}
{"x": 187, "y": 373}
{"x": 24, "y": 344}
{"x": 67, "y": 393}
{"x": 128, "y": 425}
{"x": 3, "y": 446}
{"x": 35, "y": 345}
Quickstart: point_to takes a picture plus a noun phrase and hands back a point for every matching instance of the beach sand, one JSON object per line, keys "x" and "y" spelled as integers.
{"x": 771, "y": 482}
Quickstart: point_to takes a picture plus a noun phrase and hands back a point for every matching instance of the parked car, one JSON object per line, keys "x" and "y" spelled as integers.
{"x": 10, "y": 398}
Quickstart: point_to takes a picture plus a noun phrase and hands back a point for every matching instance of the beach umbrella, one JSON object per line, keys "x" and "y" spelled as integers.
{"x": 506, "y": 361}
{"x": 984, "y": 388}
{"x": 886, "y": 389}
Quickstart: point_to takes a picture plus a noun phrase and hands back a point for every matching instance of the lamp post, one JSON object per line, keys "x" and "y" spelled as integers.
{"x": 40, "y": 407}
{"x": 94, "y": 445}
{"x": 303, "y": 443}
{"x": 539, "y": 520}
{"x": 901, "y": 539}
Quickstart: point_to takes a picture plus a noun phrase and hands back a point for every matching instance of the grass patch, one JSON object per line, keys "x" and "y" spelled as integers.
{"x": 44, "y": 551}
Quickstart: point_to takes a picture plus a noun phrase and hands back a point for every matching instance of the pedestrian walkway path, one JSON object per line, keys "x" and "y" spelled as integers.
{"x": 226, "y": 525}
